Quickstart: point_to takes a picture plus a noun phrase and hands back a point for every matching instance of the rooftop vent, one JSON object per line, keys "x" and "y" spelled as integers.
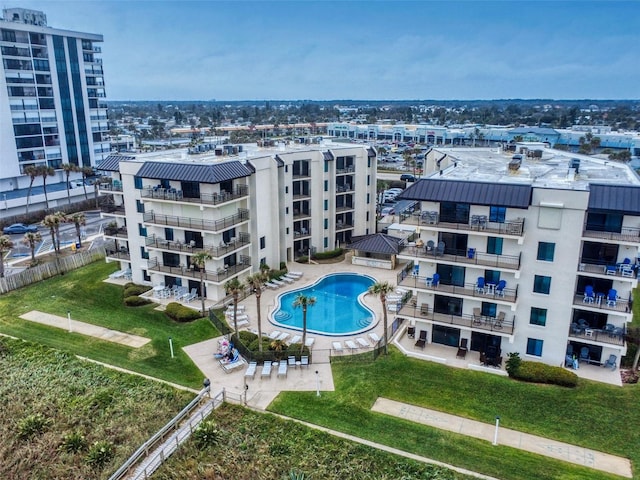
{"x": 515, "y": 162}
{"x": 575, "y": 163}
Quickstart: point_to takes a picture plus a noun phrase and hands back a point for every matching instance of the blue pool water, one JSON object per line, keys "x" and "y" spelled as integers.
{"x": 338, "y": 310}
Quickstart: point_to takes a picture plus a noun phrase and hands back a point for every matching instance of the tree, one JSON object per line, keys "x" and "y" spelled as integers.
{"x": 86, "y": 172}
{"x": 383, "y": 289}
{"x": 78, "y": 220}
{"x": 632, "y": 336}
{"x": 33, "y": 173}
{"x": 200, "y": 260}
{"x": 5, "y": 245}
{"x": 304, "y": 302}
{"x": 233, "y": 287}
{"x": 45, "y": 171}
{"x": 256, "y": 282}
{"x": 52, "y": 222}
{"x": 68, "y": 168}
{"x": 62, "y": 218}
{"x": 30, "y": 239}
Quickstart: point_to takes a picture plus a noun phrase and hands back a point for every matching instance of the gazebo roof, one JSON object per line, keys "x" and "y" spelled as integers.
{"x": 376, "y": 243}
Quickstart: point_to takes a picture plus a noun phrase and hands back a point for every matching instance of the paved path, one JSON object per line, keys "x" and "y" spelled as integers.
{"x": 86, "y": 329}
{"x": 512, "y": 438}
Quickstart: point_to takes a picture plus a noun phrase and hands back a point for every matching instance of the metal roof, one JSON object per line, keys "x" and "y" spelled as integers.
{"x": 624, "y": 199}
{"x": 476, "y": 193}
{"x": 534, "y": 130}
{"x": 376, "y": 243}
{"x": 188, "y": 172}
{"x": 327, "y": 155}
{"x": 112, "y": 163}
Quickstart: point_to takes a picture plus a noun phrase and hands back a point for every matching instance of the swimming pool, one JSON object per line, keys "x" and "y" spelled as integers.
{"x": 338, "y": 310}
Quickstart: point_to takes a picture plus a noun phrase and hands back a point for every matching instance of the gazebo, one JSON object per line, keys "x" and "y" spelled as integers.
{"x": 378, "y": 250}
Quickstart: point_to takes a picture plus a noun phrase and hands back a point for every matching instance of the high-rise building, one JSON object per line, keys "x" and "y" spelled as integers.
{"x": 52, "y": 101}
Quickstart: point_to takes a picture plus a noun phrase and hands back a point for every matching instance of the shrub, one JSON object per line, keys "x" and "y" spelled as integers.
{"x": 513, "y": 363}
{"x": 303, "y": 259}
{"x": 135, "y": 301}
{"x": 100, "y": 453}
{"x": 73, "y": 442}
{"x": 283, "y": 266}
{"x": 328, "y": 254}
{"x": 180, "y": 313}
{"x": 32, "y": 425}
{"x": 134, "y": 289}
{"x": 536, "y": 372}
{"x": 206, "y": 435}
{"x": 247, "y": 338}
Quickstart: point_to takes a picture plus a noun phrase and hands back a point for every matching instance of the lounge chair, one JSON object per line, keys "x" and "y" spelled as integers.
{"x": 266, "y": 369}
{"x": 239, "y": 317}
{"x": 282, "y": 369}
{"x": 283, "y": 336}
{"x": 351, "y": 344}
{"x": 309, "y": 342}
{"x": 292, "y": 361}
{"x": 296, "y": 274}
{"x": 611, "y": 362}
{"x": 275, "y": 334}
{"x": 277, "y": 282}
{"x": 337, "y": 346}
{"x": 290, "y": 277}
{"x": 296, "y": 339}
{"x": 480, "y": 285}
{"x": 230, "y": 309}
{"x": 272, "y": 286}
{"x": 233, "y": 365}
{"x": 374, "y": 337}
{"x": 363, "y": 342}
{"x": 411, "y": 331}
{"x": 190, "y": 296}
{"x": 251, "y": 370}
{"x": 286, "y": 279}
{"x": 422, "y": 339}
{"x": 241, "y": 323}
{"x": 304, "y": 361}
{"x": 477, "y": 316}
{"x": 462, "y": 349}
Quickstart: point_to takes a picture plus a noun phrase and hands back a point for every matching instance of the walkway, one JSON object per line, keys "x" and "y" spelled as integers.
{"x": 74, "y": 326}
{"x": 511, "y": 438}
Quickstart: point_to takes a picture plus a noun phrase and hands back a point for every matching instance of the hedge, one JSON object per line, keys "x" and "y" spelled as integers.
{"x": 329, "y": 254}
{"x": 132, "y": 289}
{"x": 537, "y": 372}
{"x": 136, "y": 301}
{"x": 180, "y": 313}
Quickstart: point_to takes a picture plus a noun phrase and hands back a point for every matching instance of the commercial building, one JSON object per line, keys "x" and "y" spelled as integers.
{"x": 511, "y": 253}
{"x": 52, "y": 104}
{"x": 243, "y": 205}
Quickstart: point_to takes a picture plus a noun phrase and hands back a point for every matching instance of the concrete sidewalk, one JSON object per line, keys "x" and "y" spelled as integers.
{"x": 511, "y": 438}
{"x": 85, "y": 329}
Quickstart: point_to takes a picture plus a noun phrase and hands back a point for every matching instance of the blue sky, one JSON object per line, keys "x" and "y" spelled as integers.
{"x": 377, "y": 50}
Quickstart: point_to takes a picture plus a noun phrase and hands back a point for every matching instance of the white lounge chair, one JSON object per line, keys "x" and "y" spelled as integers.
{"x": 272, "y": 286}
{"x": 283, "y": 336}
{"x": 337, "y": 346}
{"x": 296, "y": 339}
{"x": 363, "y": 342}
{"x": 241, "y": 323}
{"x": 266, "y": 369}
{"x": 351, "y": 344}
{"x": 286, "y": 279}
{"x": 374, "y": 337}
{"x": 293, "y": 278}
{"x": 282, "y": 369}
{"x": 291, "y": 361}
{"x": 309, "y": 342}
{"x": 251, "y": 370}
{"x": 230, "y": 309}
{"x": 240, "y": 316}
{"x": 277, "y": 282}
{"x": 304, "y": 361}
{"x": 296, "y": 274}
{"x": 275, "y": 334}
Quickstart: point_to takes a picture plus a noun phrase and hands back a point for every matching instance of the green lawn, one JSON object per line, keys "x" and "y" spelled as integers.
{"x": 91, "y": 300}
{"x": 593, "y": 415}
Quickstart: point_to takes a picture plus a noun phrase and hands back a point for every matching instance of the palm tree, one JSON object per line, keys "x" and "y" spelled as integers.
{"x": 62, "y": 218}
{"x": 68, "y": 168}
{"x": 233, "y": 287}
{"x": 382, "y": 289}
{"x": 86, "y": 172}
{"x": 200, "y": 260}
{"x": 51, "y": 222}
{"x": 5, "y": 245}
{"x": 255, "y": 282}
{"x": 45, "y": 171}
{"x": 304, "y": 302}
{"x": 31, "y": 239}
{"x": 632, "y": 336}
{"x": 33, "y": 173}
{"x": 79, "y": 220}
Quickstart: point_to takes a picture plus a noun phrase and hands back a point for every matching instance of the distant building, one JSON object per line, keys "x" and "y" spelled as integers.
{"x": 52, "y": 104}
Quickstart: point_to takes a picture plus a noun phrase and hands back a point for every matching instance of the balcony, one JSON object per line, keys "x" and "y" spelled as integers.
{"x": 153, "y": 242}
{"x": 173, "y": 195}
{"x": 598, "y": 335}
{"x": 616, "y": 270}
{"x": 344, "y": 208}
{"x": 406, "y": 280}
{"x": 302, "y": 233}
{"x": 481, "y": 323}
{"x": 509, "y": 262}
{"x": 343, "y": 226}
{"x": 346, "y": 188}
{"x": 478, "y": 223}
{"x": 196, "y": 223}
{"x": 297, "y": 214}
{"x": 219, "y": 276}
{"x": 116, "y": 232}
{"x": 121, "y": 253}
{"x": 626, "y": 234}
{"x": 110, "y": 187}
{"x": 112, "y": 210}
{"x": 347, "y": 169}
{"x": 600, "y": 302}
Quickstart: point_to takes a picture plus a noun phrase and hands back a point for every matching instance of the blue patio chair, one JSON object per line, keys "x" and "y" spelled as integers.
{"x": 611, "y": 362}
{"x": 435, "y": 280}
{"x": 583, "y": 324}
{"x": 609, "y": 328}
{"x": 584, "y": 354}
{"x": 480, "y": 285}
{"x": 440, "y": 249}
{"x": 589, "y": 296}
{"x": 612, "y": 298}
{"x": 500, "y": 287}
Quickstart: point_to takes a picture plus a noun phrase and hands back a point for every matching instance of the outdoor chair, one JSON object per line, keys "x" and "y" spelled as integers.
{"x": 374, "y": 337}
{"x": 282, "y": 369}
{"x": 304, "y": 361}
{"x": 435, "y": 280}
{"x": 275, "y": 334}
{"x": 422, "y": 339}
{"x": 612, "y": 298}
{"x": 309, "y": 342}
{"x": 611, "y": 362}
{"x": 499, "y": 320}
{"x": 589, "y": 296}
{"x": 363, "y": 342}
{"x": 462, "y": 349}
{"x": 351, "y": 344}
{"x": 295, "y": 339}
{"x": 440, "y": 249}
{"x": 480, "y": 285}
{"x": 251, "y": 370}
{"x": 584, "y": 354}
{"x": 500, "y": 288}
{"x": 266, "y": 369}
{"x": 424, "y": 309}
{"x": 291, "y": 361}
{"x": 477, "y": 316}
{"x": 411, "y": 332}
{"x": 429, "y": 248}
{"x": 337, "y": 346}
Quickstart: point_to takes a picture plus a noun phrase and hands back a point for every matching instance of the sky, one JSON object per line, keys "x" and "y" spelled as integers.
{"x": 360, "y": 50}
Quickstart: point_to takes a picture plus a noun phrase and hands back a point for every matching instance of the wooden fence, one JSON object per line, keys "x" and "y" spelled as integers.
{"x": 50, "y": 269}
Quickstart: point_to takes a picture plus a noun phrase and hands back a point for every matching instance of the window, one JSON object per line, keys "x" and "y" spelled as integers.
{"x": 326, "y": 242}
{"x": 368, "y": 162}
{"x": 286, "y": 189}
{"x": 326, "y": 166}
{"x": 452, "y": 212}
{"x": 139, "y": 206}
{"x": 326, "y": 205}
{"x": 538, "y": 316}
{"x": 368, "y": 199}
{"x": 492, "y": 276}
{"x": 263, "y": 242}
{"x": 489, "y": 309}
{"x": 534, "y": 347}
{"x": 137, "y": 182}
{"x": 168, "y": 234}
{"x": 141, "y": 230}
{"x": 286, "y": 210}
{"x": 367, "y": 219}
{"x": 326, "y": 223}
{"x": 497, "y": 214}
{"x": 144, "y": 254}
{"x": 263, "y": 261}
{"x": 326, "y": 185}
{"x": 368, "y": 180}
{"x": 545, "y": 251}
{"x": 541, "y": 284}
{"x": 494, "y": 245}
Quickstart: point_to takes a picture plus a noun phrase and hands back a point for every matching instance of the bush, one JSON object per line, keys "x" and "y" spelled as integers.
{"x": 135, "y": 301}
{"x": 206, "y": 435}
{"x": 513, "y": 363}
{"x": 180, "y": 313}
{"x": 133, "y": 289}
{"x": 246, "y": 337}
{"x": 329, "y": 254}
{"x": 100, "y": 453}
{"x": 536, "y": 372}
{"x": 73, "y": 442}
{"x": 303, "y": 259}
{"x": 32, "y": 425}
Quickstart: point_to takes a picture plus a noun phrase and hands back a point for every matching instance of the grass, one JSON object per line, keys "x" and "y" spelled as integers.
{"x": 592, "y": 415}
{"x": 89, "y": 299}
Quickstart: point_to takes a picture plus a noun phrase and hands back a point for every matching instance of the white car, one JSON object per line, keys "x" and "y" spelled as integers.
{"x": 388, "y": 211}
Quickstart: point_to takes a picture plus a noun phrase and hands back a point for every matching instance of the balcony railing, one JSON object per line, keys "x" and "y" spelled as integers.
{"x": 600, "y": 302}
{"x": 597, "y": 335}
{"x": 480, "y": 323}
{"x": 347, "y": 169}
{"x": 511, "y": 227}
{"x": 629, "y": 234}
{"x": 196, "y": 223}
{"x": 303, "y": 214}
{"x": 121, "y": 254}
{"x": 344, "y": 208}
{"x": 616, "y": 270}
{"x": 343, "y": 225}
{"x": 511, "y": 262}
{"x": 344, "y": 188}
{"x": 110, "y": 187}
{"x": 112, "y": 210}
{"x": 173, "y": 195}
{"x": 120, "y": 232}
{"x": 468, "y": 289}
{"x": 302, "y": 233}
{"x": 219, "y": 276}
{"x": 215, "y": 251}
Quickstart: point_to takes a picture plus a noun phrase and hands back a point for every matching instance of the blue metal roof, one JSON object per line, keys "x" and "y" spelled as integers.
{"x": 112, "y": 162}
{"x": 189, "y": 172}
{"x": 624, "y": 199}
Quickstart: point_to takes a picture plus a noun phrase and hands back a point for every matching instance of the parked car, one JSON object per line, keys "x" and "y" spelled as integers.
{"x": 388, "y": 211}
{"x": 405, "y": 177}
{"x": 18, "y": 228}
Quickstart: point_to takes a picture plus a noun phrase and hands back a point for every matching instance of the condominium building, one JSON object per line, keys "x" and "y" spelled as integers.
{"x": 515, "y": 254}
{"x": 245, "y": 206}
{"x": 52, "y": 102}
